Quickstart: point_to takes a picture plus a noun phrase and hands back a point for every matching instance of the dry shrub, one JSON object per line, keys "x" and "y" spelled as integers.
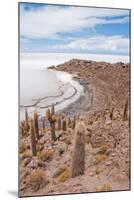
{"x": 64, "y": 175}
{"x": 87, "y": 139}
{"x": 23, "y": 147}
{"x": 45, "y": 155}
{"x": 21, "y": 157}
{"x": 24, "y": 155}
{"x": 38, "y": 180}
{"x": 103, "y": 149}
{"x": 67, "y": 141}
{"x": 40, "y": 147}
{"x": 59, "y": 171}
{"x": 100, "y": 157}
{"x": 98, "y": 170}
{"x": 104, "y": 188}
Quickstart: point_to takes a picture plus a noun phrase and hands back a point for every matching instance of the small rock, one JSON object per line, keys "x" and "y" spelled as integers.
{"x": 91, "y": 174}
{"x": 108, "y": 163}
{"x": 26, "y": 161}
{"x": 33, "y": 164}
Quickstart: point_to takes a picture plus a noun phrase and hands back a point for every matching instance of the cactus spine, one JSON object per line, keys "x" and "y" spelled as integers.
{"x": 33, "y": 138}
{"x": 78, "y": 158}
{"x": 36, "y": 125}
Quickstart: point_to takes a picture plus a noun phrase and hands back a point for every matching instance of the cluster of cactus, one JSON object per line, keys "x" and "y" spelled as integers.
{"x": 78, "y": 157}
{"x": 24, "y": 126}
{"x": 57, "y": 122}
{"x": 31, "y": 126}
{"x": 52, "y": 119}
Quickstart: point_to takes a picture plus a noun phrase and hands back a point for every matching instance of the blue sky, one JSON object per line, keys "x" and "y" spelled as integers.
{"x": 71, "y": 29}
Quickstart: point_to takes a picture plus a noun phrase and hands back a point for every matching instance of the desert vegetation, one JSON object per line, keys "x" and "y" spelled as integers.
{"x": 86, "y": 151}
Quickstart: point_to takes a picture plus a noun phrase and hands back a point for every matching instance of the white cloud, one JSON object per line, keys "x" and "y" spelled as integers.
{"x": 48, "y": 21}
{"x": 111, "y": 44}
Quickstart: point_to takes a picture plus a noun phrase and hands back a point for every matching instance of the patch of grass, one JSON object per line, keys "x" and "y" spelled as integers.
{"x": 45, "y": 155}
{"x": 38, "y": 180}
{"x": 100, "y": 157}
{"x": 65, "y": 175}
{"x": 104, "y": 188}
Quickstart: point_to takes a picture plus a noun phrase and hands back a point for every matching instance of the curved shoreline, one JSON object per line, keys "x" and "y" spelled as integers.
{"x": 57, "y": 103}
{"x": 65, "y": 108}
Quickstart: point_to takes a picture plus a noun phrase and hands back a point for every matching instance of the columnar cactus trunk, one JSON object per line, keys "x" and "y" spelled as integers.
{"x": 78, "y": 158}
{"x": 26, "y": 120}
{"x": 125, "y": 113}
{"x": 59, "y": 124}
{"x": 52, "y": 110}
{"x": 52, "y": 119}
{"x": 111, "y": 113}
{"x": 69, "y": 121}
{"x": 64, "y": 125}
{"x": 73, "y": 123}
{"x": 53, "y": 136}
{"x": 33, "y": 137}
{"x": 43, "y": 123}
{"x": 36, "y": 125}
{"x": 22, "y": 130}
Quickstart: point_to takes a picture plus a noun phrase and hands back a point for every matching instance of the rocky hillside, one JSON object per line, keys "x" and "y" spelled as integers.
{"x": 48, "y": 145}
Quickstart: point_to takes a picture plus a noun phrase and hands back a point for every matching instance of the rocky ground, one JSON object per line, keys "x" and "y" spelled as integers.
{"x": 107, "y": 137}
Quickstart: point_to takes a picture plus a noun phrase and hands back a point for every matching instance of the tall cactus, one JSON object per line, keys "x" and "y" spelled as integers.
{"x": 43, "y": 123}
{"x": 26, "y": 120}
{"x": 33, "y": 137}
{"x": 52, "y": 119}
{"x": 64, "y": 125}
{"x": 125, "y": 112}
{"x": 73, "y": 123}
{"x": 69, "y": 122}
{"x": 53, "y": 136}
{"x": 22, "y": 128}
{"x": 111, "y": 113}
{"x": 59, "y": 123}
{"x": 78, "y": 158}
{"x": 36, "y": 125}
{"x": 48, "y": 115}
